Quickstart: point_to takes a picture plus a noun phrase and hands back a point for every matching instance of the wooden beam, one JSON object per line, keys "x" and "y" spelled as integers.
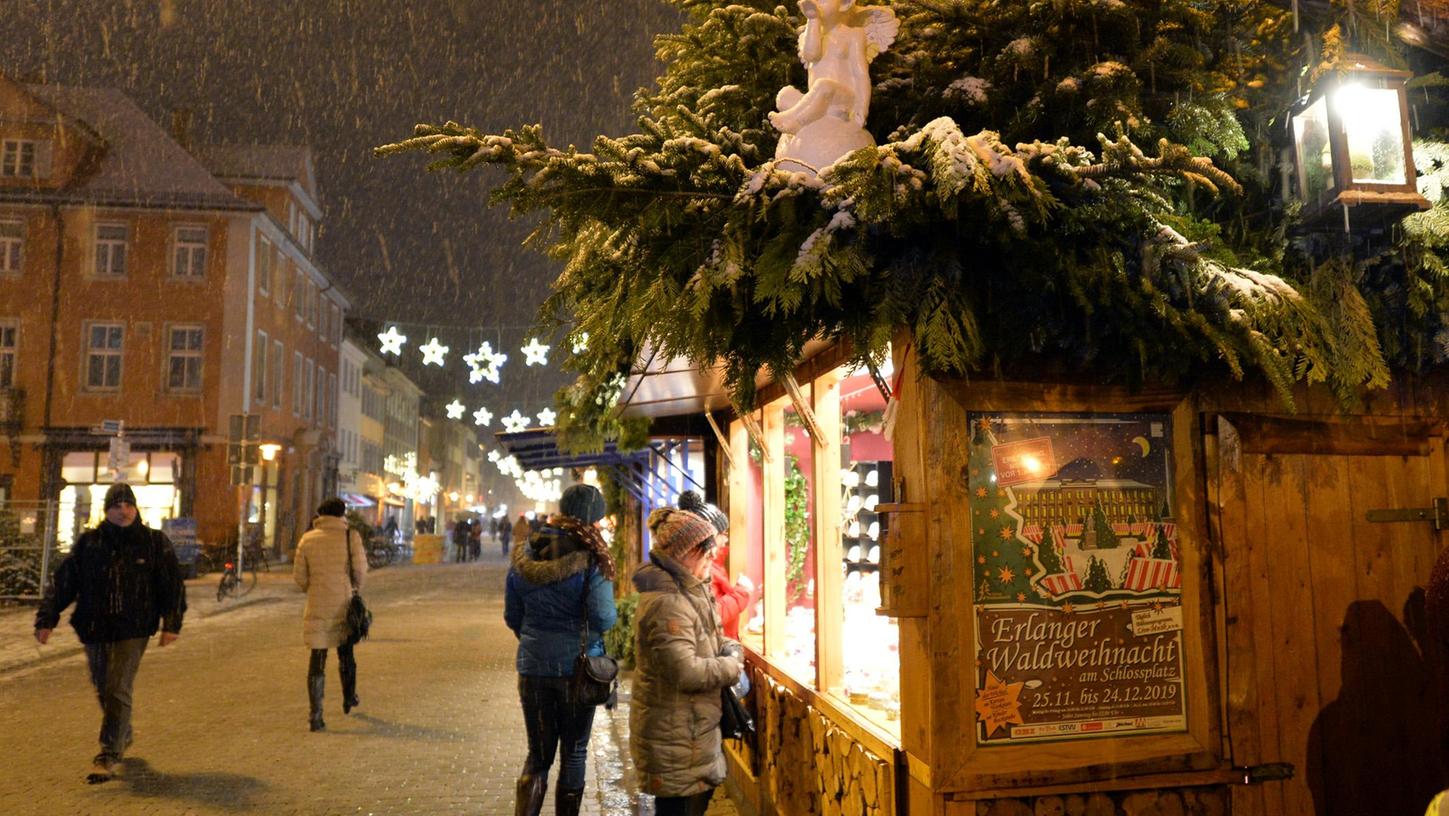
{"x": 752, "y": 427}
{"x": 775, "y": 547}
{"x": 803, "y": 410}
{"x": 724, "y": 441}
{"x": 829, "y": 549}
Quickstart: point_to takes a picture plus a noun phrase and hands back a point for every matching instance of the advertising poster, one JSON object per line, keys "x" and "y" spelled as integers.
{"x": 1076, "y": 580}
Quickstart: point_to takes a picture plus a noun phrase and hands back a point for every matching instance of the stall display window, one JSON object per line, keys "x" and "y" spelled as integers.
{"x": 747, "y": 542}
{"x": 798, "y": 646}
{"x": 870, "y": 655}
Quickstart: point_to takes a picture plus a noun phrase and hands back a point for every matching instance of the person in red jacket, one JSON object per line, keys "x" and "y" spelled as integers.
{"x": 730, "y": 599}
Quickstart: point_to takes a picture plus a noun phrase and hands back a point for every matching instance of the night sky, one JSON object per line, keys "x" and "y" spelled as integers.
{"x": 346, "y": 75}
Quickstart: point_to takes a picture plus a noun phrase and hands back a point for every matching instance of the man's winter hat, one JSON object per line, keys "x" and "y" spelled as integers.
{"x": 332, "y": 507}
{"x": 583, "y": 502}
{"x": 693, "y": 502}
{"x": 120, "y": 492}
{"x": 676, "y": 532}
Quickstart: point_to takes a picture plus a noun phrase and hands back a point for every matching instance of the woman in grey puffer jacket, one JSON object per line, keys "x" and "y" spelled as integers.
{"x": 683, "y": 661}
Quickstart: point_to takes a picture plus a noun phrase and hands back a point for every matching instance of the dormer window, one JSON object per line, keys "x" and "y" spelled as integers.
{"x": 17, "y": 158}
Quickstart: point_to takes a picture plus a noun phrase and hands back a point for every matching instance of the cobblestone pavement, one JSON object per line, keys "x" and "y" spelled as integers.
{"x": 221, "y": 715}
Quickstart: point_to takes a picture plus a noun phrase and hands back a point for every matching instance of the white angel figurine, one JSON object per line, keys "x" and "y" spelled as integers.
{"x": 827, "y": 121}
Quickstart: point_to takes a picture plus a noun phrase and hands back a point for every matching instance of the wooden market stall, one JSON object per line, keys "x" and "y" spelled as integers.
{"x": 1013, "y": 597}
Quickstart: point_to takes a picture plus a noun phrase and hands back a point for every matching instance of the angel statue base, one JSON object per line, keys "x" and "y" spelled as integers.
{"x": 827, "y": 120}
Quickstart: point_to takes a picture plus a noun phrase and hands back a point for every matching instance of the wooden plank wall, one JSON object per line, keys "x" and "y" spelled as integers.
{"x": 1322, "y": 635}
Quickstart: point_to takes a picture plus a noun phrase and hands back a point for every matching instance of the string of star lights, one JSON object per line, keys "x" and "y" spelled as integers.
{"x": 433, "y": 352}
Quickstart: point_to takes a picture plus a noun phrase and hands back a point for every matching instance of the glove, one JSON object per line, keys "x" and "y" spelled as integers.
{"x": 733, "y": 649}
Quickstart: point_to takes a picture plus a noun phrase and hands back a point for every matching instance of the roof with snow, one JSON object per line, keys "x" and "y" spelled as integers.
{"x": 141, "y": 164}
{"x": 260, "y": 161}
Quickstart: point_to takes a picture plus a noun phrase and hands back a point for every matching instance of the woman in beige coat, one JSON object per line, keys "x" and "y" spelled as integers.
{"x": 321, "y": 569}
{"x": 684, "y": 661}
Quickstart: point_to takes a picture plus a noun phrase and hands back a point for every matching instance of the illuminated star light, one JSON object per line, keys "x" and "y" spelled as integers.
{"x": 484, "y": 363}
{"x": 581, "y": 343}
{"x": 433, "y": 352}
{"x": 482, "y": 416}
{"x": 516, "y": 422}
{"x": 392, "y": 340}
{"x": 455, "y": 410}
{"x": 536, "y": 352}
{"x": 546, "y": 418}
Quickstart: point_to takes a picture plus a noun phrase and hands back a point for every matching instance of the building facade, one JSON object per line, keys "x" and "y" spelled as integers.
{"x": 166, "y": 290}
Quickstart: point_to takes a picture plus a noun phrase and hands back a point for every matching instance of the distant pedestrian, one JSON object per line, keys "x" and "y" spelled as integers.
{"x": 322, "y": 569}
{"x": 460, "y": 540}
{"x": 522, "y": 530}
{"x": 682, "y": 663}
{"x": 505, "y": 532}
{"x": 389, "y": 530}
{"x": 731, "y": 599}
{"x": 559, "y": 596}
{"x": 475, "y": 540}
{"x": 124, "y": 581}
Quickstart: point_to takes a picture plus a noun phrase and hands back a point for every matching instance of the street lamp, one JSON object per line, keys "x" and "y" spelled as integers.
{"x": 1353, "y": 151}
{"x": 269, "y": 451}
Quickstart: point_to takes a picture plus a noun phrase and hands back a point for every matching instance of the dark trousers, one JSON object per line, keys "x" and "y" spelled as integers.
{"x": 555, "y": 725}
{"x": 346, "y": 668}
{"x": 694, "y": 805}
{"x": 113, "y": 672}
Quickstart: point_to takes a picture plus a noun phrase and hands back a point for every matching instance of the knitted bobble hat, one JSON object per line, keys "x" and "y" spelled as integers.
{"x": 117, "y": 493}
{"x": 677, "y": 531}
{"x": 695, "y": 503}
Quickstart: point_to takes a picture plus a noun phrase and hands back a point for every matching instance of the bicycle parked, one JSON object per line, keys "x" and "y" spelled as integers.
{"x": 382, "y": 551}
{"x": 235, "y": 583}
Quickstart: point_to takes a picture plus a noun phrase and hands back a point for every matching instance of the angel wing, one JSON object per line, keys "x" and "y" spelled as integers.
{"x": 881, "y": 26}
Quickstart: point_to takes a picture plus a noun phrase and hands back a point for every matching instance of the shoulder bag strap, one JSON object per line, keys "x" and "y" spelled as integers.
{"x": 584, "y": 616}
{"x": 347, "y": 544}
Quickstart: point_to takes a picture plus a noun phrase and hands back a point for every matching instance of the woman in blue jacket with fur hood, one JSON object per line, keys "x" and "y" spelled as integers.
{"x": 560, "y": 590}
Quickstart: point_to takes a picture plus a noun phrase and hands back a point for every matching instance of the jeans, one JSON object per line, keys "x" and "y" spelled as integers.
{"x": 553, "y": 721}
{"x": 113, "y": 672}
{"x": 694, "y": 805}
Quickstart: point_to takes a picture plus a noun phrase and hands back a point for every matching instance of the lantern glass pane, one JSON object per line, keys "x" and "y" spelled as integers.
{"x": 1374, "y": 131}
{"x": 1315, "y": 153}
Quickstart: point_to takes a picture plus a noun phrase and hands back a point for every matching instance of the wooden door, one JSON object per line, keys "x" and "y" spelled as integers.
{"x": 1322, "y": 610}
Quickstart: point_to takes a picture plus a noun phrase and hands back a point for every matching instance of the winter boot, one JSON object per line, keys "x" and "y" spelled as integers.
{"x": 566, "y": 802}
{"x": 349, "y": 685}
{"x": 531, "y": 790}
{"x": 316, "y": 685}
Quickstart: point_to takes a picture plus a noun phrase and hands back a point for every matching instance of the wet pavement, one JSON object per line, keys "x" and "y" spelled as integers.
{"x": 221, "y": 715}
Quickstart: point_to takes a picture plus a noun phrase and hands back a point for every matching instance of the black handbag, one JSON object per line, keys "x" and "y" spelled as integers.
{"x": 595, "y": 676}
{"x": 735, "y": 721}
{"x": 359, "y": 617}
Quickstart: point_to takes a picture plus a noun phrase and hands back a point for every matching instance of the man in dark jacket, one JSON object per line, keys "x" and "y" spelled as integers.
{"x": 125, "y": 583}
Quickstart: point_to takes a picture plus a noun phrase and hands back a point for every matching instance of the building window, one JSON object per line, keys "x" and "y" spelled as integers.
{"x": 279, "y": 373}
{"x": 259, "y": 370}
{"x": 189, "y": 260}
{"x": 299, "y": 295}
{"x": 103, "y": 356}
{"x": 183, "y": 361}
{"x": 17, "y": 160}
{"x": 332, "y": 400}
{"x": 313, "y": 295}
{"x": 310, "y": 394}
{"x": 336, "y": 336}
{"x": 9, "y": 341}
{"x": 297, "y": 391}
{"x": 12, "y": 242}
{"x": 279, "y": 277}
{"x": 264, "y": 265}
{"x": 111, "y": 240}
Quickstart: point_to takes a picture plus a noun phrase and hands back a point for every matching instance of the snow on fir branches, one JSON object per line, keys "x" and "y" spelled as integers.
{"x": 1008, "y": 215}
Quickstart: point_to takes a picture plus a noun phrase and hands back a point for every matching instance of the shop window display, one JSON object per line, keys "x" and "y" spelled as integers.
{"x": 798, "y": 647}
{"x": 870, "y": 655}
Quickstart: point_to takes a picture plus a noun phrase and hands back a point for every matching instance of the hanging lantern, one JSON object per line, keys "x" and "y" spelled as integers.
{"x": 1353, "y": 150}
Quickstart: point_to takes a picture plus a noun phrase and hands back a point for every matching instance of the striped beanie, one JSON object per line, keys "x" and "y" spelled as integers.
{"x": 675, "y": 532}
